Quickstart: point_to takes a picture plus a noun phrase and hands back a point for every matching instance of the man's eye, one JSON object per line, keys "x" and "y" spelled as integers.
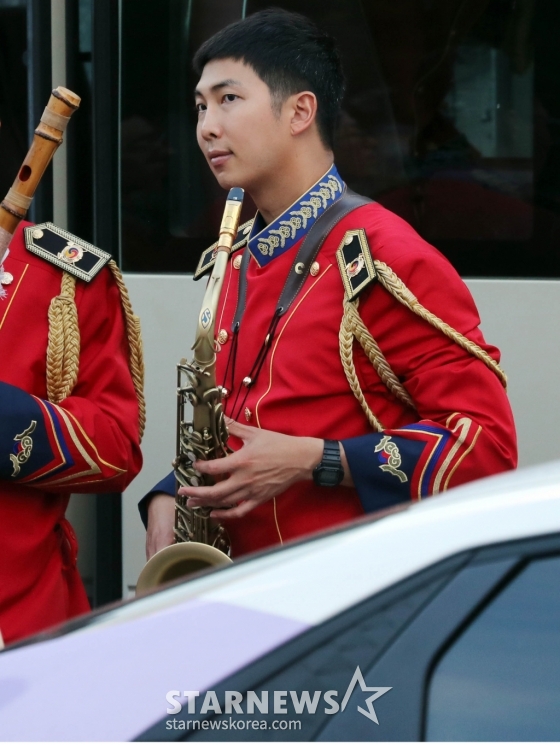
{"x": 229, "y": 97}
{"x": 200, "y": 107}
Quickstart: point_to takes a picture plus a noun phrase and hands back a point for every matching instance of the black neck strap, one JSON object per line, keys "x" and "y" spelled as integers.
{"x": 305, "y": 256}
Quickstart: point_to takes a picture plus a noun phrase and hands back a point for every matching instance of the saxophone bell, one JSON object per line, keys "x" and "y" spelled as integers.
{"x": 178, "y": 561}
{"x": 200, "y": 541}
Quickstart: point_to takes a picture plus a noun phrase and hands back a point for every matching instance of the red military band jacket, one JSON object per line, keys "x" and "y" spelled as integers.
{"x": 462, "y": 426}
{"x": 89, "y": 442}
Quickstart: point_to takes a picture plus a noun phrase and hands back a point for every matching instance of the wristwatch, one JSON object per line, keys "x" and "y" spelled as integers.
{"x": 329, "y": 472}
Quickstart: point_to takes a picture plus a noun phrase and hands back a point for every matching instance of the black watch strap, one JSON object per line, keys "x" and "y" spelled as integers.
{"x": 331, "y": 452}
{"x": 329, "y": 472}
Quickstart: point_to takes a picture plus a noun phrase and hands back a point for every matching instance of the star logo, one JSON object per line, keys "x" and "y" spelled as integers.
{"x": 370, "y": 711}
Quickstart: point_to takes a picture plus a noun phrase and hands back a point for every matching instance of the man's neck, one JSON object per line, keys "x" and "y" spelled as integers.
{"x": 286, "y": 188}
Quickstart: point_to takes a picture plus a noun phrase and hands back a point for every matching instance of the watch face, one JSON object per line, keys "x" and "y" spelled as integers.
{"x": 329, "y": 476}
{"x": 329, "y": 472}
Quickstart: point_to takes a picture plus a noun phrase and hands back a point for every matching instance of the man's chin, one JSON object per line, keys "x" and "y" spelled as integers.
{"x": 226, "y": 180}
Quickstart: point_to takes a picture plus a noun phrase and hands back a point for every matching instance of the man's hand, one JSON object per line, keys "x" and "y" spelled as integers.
{"x": 161, "y": 519}
{"x": 266, "y": 465}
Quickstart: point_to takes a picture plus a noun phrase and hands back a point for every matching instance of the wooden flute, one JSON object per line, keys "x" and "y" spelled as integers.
{"x": 48, "y": 136}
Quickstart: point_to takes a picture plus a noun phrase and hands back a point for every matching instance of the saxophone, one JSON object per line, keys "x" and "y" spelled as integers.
{"x": 200, "y": 541}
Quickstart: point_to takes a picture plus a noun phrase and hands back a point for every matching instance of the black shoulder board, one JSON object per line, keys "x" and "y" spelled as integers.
{"x": 206, "y": 261}
{"x": 67, "y": 251}
{"x": 355, "y": 263}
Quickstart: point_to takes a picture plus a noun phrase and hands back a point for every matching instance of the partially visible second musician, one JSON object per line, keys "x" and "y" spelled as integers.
{"x": 70, "y": 401}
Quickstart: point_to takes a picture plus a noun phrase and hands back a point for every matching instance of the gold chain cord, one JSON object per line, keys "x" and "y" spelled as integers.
{"x": 63, "y": 350}
{"x": 352, "y": 327}
{"x": 136, "y": 347}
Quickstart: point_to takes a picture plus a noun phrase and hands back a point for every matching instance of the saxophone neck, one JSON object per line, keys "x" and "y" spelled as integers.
{"x": 204, "y": 352}
{"x": 204, "y": 344}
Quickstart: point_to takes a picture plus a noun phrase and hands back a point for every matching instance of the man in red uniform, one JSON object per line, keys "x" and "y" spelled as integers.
{"x": 69, "y": 417}
{"x": 321, "y": 434}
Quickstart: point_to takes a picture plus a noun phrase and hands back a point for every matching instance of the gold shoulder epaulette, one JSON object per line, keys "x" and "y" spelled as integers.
{"x": 355, "y": 263}
{"x": 67, "y": 251}
{"x": 208, "y": 257}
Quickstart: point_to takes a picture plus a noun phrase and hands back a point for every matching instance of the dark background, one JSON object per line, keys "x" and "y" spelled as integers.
{"x": 451, "y": 119}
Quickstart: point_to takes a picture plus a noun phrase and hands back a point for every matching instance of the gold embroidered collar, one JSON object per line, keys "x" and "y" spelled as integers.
{"x": 268, "y": 242}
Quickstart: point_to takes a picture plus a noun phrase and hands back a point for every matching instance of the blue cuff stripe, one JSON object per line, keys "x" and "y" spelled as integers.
{"x": 59, "y": 434}
{"x": 434, "y": 458}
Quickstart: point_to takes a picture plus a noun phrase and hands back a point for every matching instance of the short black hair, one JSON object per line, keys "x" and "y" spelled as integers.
{"x": 290, "y": 54}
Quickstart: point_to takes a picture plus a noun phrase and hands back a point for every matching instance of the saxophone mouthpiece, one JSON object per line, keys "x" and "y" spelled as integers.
{"x": 230, "y": 220}
{"x": 236, "y": 194}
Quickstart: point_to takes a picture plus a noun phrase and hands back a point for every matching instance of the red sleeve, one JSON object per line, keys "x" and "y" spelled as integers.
{"x": 465, "y": 428}
{"x": 90, "y": 441}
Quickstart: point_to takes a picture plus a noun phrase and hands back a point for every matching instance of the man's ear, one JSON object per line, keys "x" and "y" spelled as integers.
{"x": 304, "y": 111}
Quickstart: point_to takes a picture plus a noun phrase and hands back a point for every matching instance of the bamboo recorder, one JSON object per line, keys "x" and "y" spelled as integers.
{"x": 48, "y": 136}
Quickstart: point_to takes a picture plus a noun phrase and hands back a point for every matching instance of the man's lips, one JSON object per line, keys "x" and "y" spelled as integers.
{"x": 218, "y": 157}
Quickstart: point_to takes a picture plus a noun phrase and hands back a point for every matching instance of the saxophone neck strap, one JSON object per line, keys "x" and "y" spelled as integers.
{"x": 305, "y": 256}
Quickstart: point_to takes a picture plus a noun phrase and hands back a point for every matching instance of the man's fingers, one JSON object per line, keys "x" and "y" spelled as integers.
{"x": 231, "y": 499}
{"x": 217, "y": 467}
{"x": 221, "y": 466}
{"x": 240, "y": 511}
{"x": 243, "y": 431}
{"x": 210, "y": 494}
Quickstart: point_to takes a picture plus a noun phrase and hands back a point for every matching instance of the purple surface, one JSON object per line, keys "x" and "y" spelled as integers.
{"x": 110, "y": 682}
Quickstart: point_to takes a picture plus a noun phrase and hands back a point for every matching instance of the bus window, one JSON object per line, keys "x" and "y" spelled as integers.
{"x": 449, "y": 120}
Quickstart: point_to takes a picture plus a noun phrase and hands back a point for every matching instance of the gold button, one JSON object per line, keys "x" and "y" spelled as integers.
{"x": 348, "y": 240}
{"x": 247, "y": 381}
{"x": 237, "y": 262}
{"x": 314, "y": 271}
{"x": 37, "y": 233}
{"x": 6, "y": 278}
{"x": 223, "y": 336}
{"x": 248, "y": 414}
{"x": 247, "y": 229}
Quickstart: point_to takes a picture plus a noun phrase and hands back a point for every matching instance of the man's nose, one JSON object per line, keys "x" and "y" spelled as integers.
{"x": 210, "y": 126}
